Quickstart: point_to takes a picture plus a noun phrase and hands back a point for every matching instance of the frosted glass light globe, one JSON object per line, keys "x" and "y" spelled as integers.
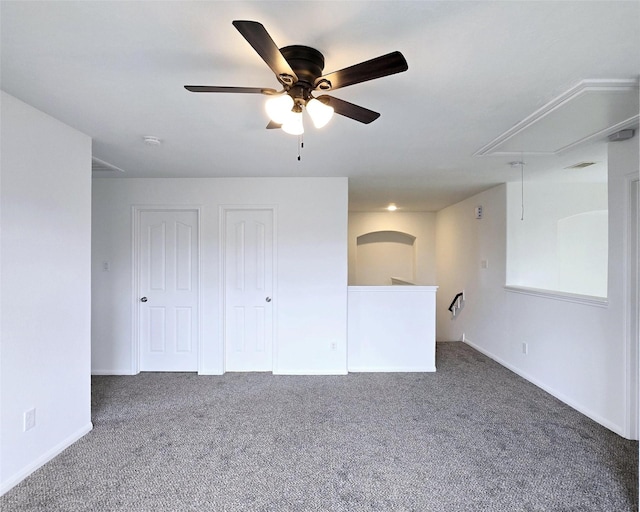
{"x": 320, "y": 113}
{"x": 279, "y": 108}
{"x": 293, "y": 124}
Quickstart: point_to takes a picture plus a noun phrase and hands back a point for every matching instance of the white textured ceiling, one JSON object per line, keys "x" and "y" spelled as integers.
{"x": 116, "y": 70}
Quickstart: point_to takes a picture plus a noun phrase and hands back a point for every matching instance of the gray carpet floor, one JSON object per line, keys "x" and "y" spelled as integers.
{"x": 471, "y": 437}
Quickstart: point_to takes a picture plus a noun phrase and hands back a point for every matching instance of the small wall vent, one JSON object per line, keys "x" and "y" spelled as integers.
{"x": 580, "y": 165}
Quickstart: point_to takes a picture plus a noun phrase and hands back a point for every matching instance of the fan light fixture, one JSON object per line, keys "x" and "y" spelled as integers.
{"x": 293, "y": 124}
{"x": 299, "y": 70}
{"x": 285, "y": 111}
{"x": 279, "y": 108}
{"x": 320, "y": 113}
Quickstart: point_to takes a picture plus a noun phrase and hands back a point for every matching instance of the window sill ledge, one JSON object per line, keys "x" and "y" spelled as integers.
{"x": 587, "y": 300}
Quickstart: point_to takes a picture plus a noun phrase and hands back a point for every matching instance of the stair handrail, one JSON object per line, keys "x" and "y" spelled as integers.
{"x": 455, "y": 301}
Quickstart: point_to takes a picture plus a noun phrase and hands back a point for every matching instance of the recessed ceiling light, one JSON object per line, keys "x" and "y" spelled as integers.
{"x": 151, "y": 141}
{"x": 392, "y": 207}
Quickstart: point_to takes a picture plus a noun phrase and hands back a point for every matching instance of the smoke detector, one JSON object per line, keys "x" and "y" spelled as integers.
{"x": 622, "y": 135}
{"x": 149, "y": 140}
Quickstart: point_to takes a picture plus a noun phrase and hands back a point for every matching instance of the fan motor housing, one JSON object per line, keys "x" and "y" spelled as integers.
{"x": 306, "y": 62}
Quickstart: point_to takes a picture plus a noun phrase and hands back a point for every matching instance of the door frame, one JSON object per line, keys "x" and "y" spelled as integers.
{"x": 223, "y": 210}
{"x": 631, "y": 300}
{"x": 136, "y": 214}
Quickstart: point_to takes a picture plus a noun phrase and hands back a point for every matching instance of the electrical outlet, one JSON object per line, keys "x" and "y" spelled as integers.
{"x": 29, "y": 419}
{"x": 525, "y": 348}
{"x": 334, "y": 345}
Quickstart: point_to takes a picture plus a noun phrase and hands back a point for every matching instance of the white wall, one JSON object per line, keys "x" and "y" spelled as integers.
{"x": 45, "y": 234}
{"x": 311, "y": 296}
{"x": 382, "y": 256}
{"x": 577, "y": 350}
{"x": 583, "y": 271}
{"x": 422, "y": 225}
{"x": 392, "y": 329}
{"x": 535, "y": 245}
{"x": 463, "y": 243}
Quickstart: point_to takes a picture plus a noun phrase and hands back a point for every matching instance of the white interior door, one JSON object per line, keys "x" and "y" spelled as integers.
{"x": 168, "y": 290}
{"x": 248, "y": 285}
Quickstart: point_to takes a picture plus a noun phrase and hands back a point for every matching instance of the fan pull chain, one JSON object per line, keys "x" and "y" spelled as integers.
{"x": 515, "y": 165}
{"x": 300, "y": 145}
{"x": 522, "y": 188}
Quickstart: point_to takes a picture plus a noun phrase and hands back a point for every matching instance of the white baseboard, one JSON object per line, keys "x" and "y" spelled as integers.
{"x": 111, "y": 372}
{"x": 387, "y": 369}
{"x": 14, "y": 480}
{"x": 560, "y": 396}
{"x": 309, "y": 372}
{"x": 128, "y": 372}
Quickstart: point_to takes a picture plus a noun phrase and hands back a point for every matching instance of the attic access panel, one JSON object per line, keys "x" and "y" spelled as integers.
{"x": 592, "y": 109}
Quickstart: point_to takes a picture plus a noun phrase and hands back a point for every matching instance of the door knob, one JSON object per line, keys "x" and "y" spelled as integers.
{"x": 268, "y": 299}
{"x": 143, "y": 299}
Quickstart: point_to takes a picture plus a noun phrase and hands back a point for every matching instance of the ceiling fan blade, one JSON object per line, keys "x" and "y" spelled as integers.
{"x": 273, "y": 125}
{"x": 212, "y": 88}
{"x": 258, "y": 37}
{"x": 344, "y": 108}
{"x": 384, "y": 65}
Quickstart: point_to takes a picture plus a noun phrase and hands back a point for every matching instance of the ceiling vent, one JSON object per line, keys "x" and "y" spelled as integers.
{"x": 102, "y": 167}
{"x": 580, "y": 165}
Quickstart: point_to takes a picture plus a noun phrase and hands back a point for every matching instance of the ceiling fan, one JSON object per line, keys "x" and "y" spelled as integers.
{"x": 299, "y": 71}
